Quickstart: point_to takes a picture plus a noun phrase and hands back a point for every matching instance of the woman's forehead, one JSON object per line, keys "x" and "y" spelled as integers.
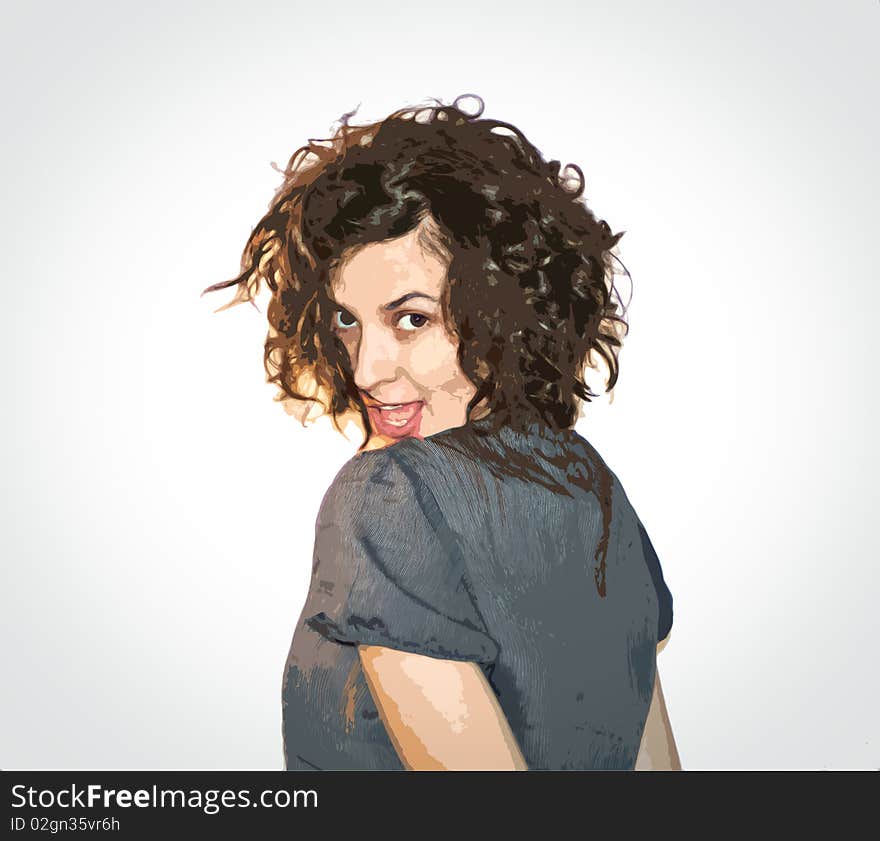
{"x": 379, "y": 273}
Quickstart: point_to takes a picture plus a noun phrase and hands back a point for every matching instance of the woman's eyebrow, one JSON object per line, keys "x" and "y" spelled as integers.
{"x": 403, "y": 298}
{"x": 395, "y": 303}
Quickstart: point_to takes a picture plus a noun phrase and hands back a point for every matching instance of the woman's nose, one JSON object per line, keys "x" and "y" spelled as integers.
{"x": 377, "y": 357}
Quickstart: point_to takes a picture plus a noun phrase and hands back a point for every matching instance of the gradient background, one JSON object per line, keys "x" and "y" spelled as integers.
{"x": 158, "y": 510}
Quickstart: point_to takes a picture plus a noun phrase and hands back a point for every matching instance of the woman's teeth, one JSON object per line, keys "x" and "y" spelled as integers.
{"x": 400, "y": 414}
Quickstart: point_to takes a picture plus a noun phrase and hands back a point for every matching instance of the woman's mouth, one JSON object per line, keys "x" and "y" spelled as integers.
{"x": 398, "y": 419}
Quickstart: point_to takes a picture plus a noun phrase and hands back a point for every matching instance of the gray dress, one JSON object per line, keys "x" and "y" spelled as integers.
{"x": 518, "y": 551}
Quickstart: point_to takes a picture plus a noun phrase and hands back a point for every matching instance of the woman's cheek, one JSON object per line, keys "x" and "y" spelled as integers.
{"x": 433, "y": 361}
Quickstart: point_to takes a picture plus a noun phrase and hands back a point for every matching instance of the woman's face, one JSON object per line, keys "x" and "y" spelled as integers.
{"x": 389, "y": 318}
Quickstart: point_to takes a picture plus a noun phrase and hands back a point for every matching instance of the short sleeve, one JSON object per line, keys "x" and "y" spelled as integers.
{"x": 387, "y": 569}
{"x": 664, "y": 597}
{"x": 631, "y": 524}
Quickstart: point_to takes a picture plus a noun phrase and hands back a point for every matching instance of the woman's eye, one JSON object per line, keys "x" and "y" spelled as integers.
{"x": 419, "y": 320}
{"x": 341, "y": 324}
{"x": 416, "y": 323}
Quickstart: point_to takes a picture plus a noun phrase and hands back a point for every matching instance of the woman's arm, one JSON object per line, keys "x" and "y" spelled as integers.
{"x": 441, "y": 715}
{"x": 658, "y": 751}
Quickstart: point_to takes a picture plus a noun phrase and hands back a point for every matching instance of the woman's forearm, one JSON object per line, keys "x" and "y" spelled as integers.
{"x": 658, "y": 751}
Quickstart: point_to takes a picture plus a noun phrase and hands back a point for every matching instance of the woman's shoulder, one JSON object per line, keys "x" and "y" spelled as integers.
{"x": 560, "y": 460}
{"x": 386, "y": 474}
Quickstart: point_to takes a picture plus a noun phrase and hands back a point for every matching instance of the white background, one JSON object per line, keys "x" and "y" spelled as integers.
{"x": 158, "y": 507}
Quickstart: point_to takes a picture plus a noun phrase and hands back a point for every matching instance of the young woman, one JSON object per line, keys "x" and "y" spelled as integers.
{"x": 483, "y": 594}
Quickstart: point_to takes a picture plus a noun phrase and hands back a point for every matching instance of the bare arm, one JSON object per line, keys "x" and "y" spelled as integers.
{"x": 441, "y": 715}
{"x": 658, "y": 751}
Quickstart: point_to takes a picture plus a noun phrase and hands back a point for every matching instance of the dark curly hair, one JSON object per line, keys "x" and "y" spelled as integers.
{"x": 530, "y": 291}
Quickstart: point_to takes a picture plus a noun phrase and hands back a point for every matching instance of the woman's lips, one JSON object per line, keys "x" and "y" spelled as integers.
{"x": 399, "y": 421}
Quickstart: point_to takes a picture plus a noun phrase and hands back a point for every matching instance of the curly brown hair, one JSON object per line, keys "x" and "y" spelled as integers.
{"x": 530, "y": 291}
